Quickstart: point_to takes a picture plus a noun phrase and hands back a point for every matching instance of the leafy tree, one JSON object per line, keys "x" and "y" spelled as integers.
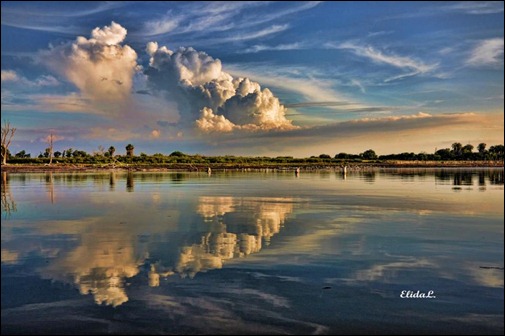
{"x": 111, "y": 151}
{"x": 369, "y": 154}
{"x": 496, "y": 152}
{"x": 129, "y": 150}
{"x": 481, "y": 148}
{"x": 467, "y": 149}
{"x": 21, "y": 154}
{"x": 457, "y": 148}
{"x": 57, "y": 154}
{"x": 79, "y": 153}
{"x": 324, "y": 156}
{"x": 177, "y": 153}
{"x": 444, "y": 153}
{"x": 70, "y": 152}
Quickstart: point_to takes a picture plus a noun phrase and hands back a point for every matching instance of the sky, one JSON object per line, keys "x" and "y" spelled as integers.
{"x": 252, "y": 78}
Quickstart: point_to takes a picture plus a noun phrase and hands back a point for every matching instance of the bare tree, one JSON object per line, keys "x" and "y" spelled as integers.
{"x": 7, "y": 134}
{"x": 100, "y": 151}
{"x": 50, "y": 141}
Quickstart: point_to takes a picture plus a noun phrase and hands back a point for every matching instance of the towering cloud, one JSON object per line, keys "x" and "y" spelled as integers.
{"x": 100, "y": 67}
{"x": 208, "y": 98}
{"x": 215, "y": 99}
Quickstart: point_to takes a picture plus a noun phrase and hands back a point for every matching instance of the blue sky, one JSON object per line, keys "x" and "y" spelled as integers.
{"x": 253, "y": 78}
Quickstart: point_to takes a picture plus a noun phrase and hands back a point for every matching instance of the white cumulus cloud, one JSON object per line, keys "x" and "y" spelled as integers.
{"x": 100, "y": 67}
{"x": 209, "y": 97}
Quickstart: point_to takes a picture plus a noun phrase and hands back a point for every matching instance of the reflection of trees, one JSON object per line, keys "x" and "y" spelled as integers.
{"x": 369, "y": 176}
{"x": 112, "y": 180}
{"x": 482, "y": 179}
{"x": 465, "y": 177}
{"x": 50, "y": 185}
{"x": 496, "y": 177}
{"x": 177, "y": 177}
{"x": 462, "y": 178}
{"x": 129, "y": 181}
{"x": 442, "y": 176}
{"x": 8, "y": 204}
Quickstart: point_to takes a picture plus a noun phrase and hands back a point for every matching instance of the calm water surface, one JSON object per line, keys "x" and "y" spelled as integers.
{"x": 254, "y": 253}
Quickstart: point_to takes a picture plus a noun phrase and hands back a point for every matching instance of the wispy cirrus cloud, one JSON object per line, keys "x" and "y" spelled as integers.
{"x": 245, "y": 36}
{"x": 42, "y": 16}
{"x": 164, "y": 25}
{"x": 216, "y": 22}
{"x": 477, "y": 7}
{"x": 262, "y": 47}
{"x": 487, "y": 53}
{"x": 413, "y": 66}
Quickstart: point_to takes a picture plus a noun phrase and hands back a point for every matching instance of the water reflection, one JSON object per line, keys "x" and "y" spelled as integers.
{"x": 100, "y": 264}
{"x": 112, "y": 181}
{"x": 465, "y": 177}
{"x": 190, "y": 245}
{"x": 129, "y": 182}
{"x": 8, "y": 204}
{"x": 236, "y": 228}
{"x": 101, "y": 253}
{"x": 50, "y": 186}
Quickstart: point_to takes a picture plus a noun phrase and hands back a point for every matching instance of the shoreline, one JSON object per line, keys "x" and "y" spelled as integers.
{"x": 178, "y": 167}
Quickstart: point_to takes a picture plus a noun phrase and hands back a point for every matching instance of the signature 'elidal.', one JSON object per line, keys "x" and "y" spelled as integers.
{"x": 409, "y": 294}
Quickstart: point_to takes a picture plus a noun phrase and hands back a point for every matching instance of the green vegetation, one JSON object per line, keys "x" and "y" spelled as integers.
{"x": 457, "y": 152}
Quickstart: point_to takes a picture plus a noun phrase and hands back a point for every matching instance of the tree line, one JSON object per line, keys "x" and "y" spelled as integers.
{"x": 457, "y": 152}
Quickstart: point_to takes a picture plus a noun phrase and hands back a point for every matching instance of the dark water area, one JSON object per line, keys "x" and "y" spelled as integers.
{"x": 253, "y": 253}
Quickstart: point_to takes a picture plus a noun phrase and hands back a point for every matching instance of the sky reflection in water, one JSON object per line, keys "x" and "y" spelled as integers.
{"x": 255, "y": 252}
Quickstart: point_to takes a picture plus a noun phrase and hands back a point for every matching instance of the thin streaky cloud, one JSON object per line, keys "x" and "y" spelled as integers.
{"x": 215, "y": 17}
{"x": 187, "y": 23}
{"x": 43, "y": 19}
{"x": 216, "y": 8}
{"x": 66, "y": 30}
{"x": 102, "y": 7}
{"x": 487, "y": 53}
{"x": 208, "y": 24}
{"x": 380, "y": 33}
{"x": 358, "y": 84}
{"x": 276, "y": 15}
{"x": 377, "y": 56}
{"x": 401, "y": 62}
{"x": 262, "y": 47}
{"x": 401, "y": 76}
{"x": 257, "y": 34}
{"x": 158, "y": 27}
{"x": 318, "y": 104}
{"x": 477, "y": 7}
{"x": 342, "y": 107}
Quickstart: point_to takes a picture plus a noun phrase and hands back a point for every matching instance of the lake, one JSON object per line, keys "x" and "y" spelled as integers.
{"x": 254, "y": 252}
